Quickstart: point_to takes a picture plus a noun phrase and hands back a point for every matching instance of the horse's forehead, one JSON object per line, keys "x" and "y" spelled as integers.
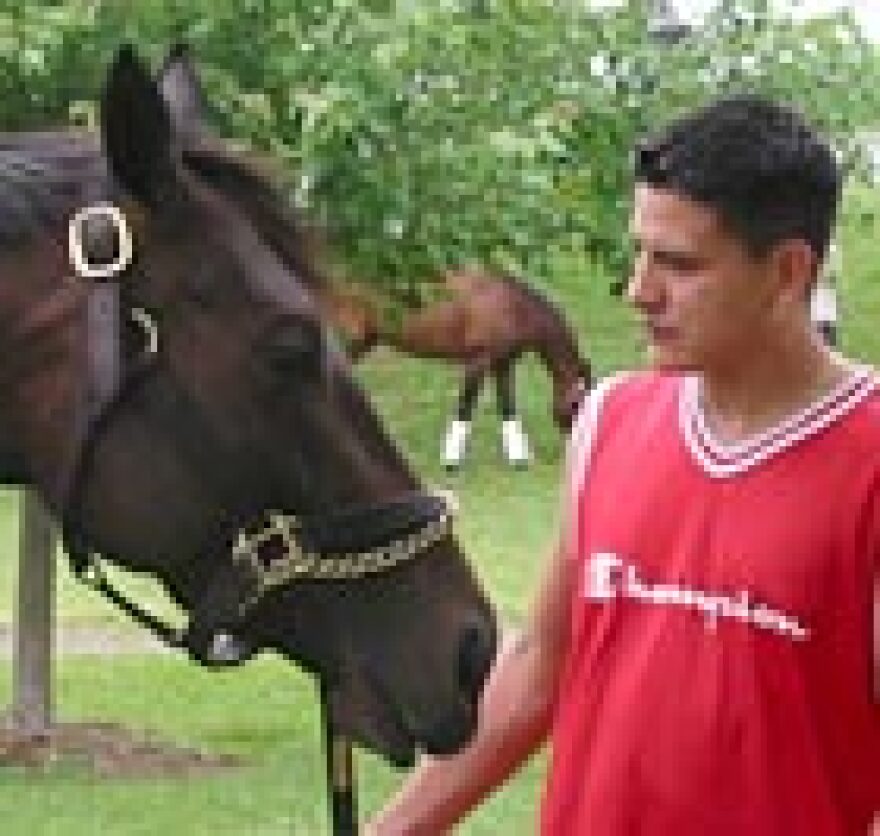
{"x": 262, "y": 268}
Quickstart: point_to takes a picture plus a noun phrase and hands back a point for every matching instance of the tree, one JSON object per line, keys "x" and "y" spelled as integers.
{"x": 439, "y": 136}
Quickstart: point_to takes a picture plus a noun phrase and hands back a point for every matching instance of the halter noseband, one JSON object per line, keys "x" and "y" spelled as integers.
{"x": 275, "y": 554}
{"x": 268, "y": 555}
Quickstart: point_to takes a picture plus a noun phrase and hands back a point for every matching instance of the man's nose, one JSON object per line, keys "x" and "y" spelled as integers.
{"x": 642, "y": 289}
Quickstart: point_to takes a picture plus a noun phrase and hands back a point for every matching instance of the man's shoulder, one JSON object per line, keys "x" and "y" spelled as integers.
{"x": 853, "y": 419}
{"x": 635, "y": 380}
{"x": 865, "y": 417}
{"x": 639, "y": 386}
{"x": 622, "y": 391}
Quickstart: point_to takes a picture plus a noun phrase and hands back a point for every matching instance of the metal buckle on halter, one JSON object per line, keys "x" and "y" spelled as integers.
{"x": 105, "y": 272}
{"x": 76, "y": 245}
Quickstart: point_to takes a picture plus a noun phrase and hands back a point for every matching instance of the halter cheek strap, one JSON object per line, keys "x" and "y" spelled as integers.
{"x": 105, "y": 271}
{"x": 104, "y": 384}
{"x": 103, "y": 229}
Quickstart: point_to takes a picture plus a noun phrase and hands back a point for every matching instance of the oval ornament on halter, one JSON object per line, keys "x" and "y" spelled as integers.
{"x": 76, "y": 245}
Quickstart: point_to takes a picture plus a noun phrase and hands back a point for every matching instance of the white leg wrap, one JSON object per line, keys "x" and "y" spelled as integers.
{"x": 516, "y": 444}
{"x": 456, "y": 442}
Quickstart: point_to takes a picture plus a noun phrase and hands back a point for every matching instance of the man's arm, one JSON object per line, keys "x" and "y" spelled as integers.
{"x": 515, "y": 716}
{"x": 877, "y": 638}
{"x": 875, "y": 829}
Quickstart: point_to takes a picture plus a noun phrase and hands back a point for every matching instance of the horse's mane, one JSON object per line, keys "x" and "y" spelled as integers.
{"x": 43, "y": 178}
{"x": 245, "y": 184}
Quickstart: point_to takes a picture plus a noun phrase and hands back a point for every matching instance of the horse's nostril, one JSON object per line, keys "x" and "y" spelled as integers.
{"x": 475, "y": 654}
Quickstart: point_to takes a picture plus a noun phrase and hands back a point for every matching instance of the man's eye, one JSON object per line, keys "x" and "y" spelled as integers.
{"x": 680, "y": 263}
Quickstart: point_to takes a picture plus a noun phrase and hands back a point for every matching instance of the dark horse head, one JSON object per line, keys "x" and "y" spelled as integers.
{"x": 245, "y": 411}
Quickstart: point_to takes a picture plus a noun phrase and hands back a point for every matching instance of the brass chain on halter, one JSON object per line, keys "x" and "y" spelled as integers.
{"x": 272, "y": 556}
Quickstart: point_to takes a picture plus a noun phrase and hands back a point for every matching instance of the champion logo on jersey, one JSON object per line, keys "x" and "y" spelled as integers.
{"x": 608, "y": 576}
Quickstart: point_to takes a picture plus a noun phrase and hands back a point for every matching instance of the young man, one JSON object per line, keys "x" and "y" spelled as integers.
{"x": 705, "y": 650}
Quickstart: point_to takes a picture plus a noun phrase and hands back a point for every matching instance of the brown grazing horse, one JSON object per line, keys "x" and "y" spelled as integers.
{"x": 236, "y": 461}
{"x": 485, "y": 322}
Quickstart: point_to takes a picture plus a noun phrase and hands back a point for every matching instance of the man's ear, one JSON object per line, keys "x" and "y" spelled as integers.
{"x": 795, "y": 265}
{"x": 184, "y": 96}
{"x": 136, "y": 130}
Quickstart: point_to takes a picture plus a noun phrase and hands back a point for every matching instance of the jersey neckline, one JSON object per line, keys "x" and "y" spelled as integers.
{"x": 723, "y": 459}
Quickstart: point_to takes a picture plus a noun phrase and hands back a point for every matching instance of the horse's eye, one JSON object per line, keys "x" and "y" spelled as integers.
{"x": 295, "y": 346}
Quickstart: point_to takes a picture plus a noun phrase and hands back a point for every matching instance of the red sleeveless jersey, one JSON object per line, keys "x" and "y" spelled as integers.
{"x": 719, "y": 672}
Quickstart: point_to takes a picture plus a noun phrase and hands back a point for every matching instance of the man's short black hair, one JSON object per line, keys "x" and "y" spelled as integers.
{"x": 759, "y": 164}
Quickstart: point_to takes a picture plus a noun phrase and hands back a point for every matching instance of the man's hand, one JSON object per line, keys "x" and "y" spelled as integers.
{"x": 515, "y": 716}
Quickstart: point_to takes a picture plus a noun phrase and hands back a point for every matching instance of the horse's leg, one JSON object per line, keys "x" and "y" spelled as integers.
{"x": 457, "y": 434}
{"x": 474, "y": 374}
{"x": 505, "y": 390}
{"x": 516, "y": 443}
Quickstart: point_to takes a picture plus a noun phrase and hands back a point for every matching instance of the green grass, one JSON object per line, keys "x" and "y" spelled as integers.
{"x": 267, "y": 712}
{"x": 267, "y": 716}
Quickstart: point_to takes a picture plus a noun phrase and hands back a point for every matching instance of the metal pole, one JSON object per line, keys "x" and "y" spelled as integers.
{"x": 340, "y": 772}
{"x": 823, "y": 305}
{"x": 32, "y": 662}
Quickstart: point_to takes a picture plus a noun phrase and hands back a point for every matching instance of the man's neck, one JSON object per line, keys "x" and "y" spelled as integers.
{"x": 757, "y": 394}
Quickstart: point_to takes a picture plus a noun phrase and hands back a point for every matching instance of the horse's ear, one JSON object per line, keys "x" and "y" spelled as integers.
{"x": 184, "y": 95}
{"x": 136, "y": 129}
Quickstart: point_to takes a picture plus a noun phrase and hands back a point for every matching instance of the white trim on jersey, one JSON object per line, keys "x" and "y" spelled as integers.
{"x": 579, "y": 453}
{"x": 722, "y": 459}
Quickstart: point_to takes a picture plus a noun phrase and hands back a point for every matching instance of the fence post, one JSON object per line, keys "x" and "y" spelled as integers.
{"x": 823, "y": 305}
{"x": 32, "y": 691}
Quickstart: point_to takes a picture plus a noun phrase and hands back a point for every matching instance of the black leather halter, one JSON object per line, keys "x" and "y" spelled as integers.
{"x": 91, "y": 237}
{"x": 104, "y": 385}
{"x": 271, "y": 552}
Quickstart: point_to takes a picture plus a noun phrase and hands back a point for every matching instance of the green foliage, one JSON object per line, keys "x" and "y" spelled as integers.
{"x": 443, "y": 133}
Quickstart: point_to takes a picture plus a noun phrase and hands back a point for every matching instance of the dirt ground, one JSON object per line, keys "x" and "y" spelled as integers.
{"x": 105, "y": 749}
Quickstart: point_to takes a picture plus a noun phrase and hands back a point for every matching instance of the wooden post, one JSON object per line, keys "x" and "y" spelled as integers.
{"x": 32, "y": 692}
